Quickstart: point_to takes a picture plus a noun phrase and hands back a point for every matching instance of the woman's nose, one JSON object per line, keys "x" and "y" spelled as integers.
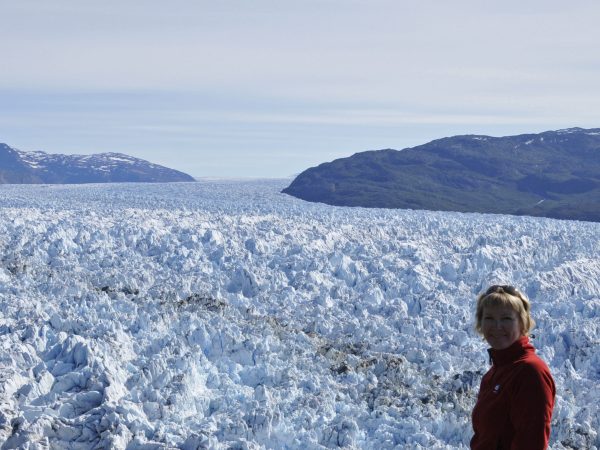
{"x": 496, "y": 323}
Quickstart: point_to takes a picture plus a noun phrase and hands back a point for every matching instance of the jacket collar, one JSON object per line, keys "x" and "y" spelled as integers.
{"x": 512, "y": 353}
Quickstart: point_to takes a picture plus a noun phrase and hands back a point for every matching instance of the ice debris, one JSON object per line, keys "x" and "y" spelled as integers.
{"x": 227, "y": 315}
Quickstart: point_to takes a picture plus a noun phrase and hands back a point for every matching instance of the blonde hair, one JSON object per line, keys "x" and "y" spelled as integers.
{"x": 505, "y": 295}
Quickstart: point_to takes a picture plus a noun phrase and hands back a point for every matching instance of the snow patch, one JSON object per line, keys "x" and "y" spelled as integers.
{"x": 227, "y": 315}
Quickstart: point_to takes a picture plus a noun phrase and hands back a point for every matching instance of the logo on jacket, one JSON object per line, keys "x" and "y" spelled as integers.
{"x": 496, "y": 389}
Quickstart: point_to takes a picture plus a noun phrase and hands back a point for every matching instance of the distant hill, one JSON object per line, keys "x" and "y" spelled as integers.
{"x": 20, "y": 167}
{"x": 552, "y": 174}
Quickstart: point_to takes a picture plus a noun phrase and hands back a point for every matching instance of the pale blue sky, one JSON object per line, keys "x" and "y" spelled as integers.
{"x": 268, "y": 88}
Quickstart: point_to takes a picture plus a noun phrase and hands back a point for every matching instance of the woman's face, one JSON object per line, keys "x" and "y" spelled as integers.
{"x": 501, "y": 326}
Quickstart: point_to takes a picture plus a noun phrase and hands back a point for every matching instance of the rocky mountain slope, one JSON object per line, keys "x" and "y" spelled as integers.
{"x": 552, "y": 174}
{"x": 19, "y": 167}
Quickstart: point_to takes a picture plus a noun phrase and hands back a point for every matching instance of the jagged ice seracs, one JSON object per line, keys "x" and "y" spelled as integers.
{"x": 226, "y": 315}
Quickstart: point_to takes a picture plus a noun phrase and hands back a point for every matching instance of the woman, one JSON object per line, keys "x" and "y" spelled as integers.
{"x": 516, "y": 397}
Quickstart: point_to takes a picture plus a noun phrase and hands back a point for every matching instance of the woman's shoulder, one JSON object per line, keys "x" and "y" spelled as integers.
{"x": 532, "y": 369}
{"x": 531, "y": 362}
{"x": 531, "y": 359}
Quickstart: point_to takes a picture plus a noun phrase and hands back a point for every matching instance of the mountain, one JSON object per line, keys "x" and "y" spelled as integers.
{"x": 552, "y": 174}
{"x": 20, "y": 167}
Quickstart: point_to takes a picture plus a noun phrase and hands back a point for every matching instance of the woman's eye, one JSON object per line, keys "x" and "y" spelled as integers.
{"x": 507, "y": 319}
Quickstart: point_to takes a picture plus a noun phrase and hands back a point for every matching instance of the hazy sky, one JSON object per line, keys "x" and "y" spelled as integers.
{"x": 268, "y": 88}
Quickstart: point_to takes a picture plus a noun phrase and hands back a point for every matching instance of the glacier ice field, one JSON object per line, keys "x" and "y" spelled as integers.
{"x": 226, "y": 315}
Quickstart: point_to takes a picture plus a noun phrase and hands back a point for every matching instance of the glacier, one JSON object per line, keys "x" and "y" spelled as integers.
{"x": 226, "y": 315}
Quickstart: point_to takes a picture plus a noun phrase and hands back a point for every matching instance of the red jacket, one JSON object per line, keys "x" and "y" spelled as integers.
{"x": 515, "y": 401}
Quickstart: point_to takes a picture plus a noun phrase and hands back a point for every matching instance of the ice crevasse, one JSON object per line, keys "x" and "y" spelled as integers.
{"x": 227, "y": 315}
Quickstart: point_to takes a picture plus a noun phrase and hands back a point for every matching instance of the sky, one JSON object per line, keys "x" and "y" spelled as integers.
{"x": 269, "y": 88}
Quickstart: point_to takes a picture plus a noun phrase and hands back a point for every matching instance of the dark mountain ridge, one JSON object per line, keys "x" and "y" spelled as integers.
{"x": 20, "y": 167}
{"x": 552, "y": 174}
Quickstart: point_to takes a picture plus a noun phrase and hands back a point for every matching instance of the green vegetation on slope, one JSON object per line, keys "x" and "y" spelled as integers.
{"x": 552, "y": 174}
